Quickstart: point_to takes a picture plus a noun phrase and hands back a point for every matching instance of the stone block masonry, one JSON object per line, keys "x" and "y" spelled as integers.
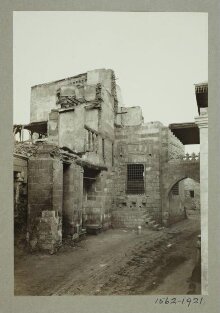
{"x": 97, "y": 202}
{"x": 137, "y": 145}
{"x": 45, "y": 195}
{"x": 49, "y": 232}
{"x": 72, "y": 199}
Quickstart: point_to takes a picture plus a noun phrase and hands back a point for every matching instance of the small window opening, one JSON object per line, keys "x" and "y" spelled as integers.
{"x": 135, "y": 179}
{"x": 191, "y": 192}
{"x": 90, "y": 177}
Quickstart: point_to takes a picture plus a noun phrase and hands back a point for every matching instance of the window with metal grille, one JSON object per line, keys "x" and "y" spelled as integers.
{"x": 135, "y": 179}
{"x": 175, "y": 189}
{"x": 191, "y": 193}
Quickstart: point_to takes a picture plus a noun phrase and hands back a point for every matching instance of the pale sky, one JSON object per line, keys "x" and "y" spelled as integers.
{"x": 157, "y": 57}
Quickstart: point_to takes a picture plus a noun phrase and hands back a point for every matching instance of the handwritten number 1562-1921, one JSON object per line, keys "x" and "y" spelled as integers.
{"x": 185, "y": 300}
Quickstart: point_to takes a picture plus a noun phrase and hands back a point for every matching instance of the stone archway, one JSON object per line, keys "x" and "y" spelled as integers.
{"x": 183, "y": 199}
{"x": 172, "y": 173}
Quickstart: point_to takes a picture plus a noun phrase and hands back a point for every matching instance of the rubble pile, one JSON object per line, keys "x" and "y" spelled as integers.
{"x": 25, "y": 148}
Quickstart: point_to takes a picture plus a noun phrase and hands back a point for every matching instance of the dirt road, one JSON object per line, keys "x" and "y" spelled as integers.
{"x": 119, "y": 262}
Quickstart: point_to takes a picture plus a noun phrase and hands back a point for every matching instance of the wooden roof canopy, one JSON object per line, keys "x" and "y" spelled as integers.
{"x": 201, "y": 91}
{"x": 187, "y": 133}
{"x": 37, "y": 127}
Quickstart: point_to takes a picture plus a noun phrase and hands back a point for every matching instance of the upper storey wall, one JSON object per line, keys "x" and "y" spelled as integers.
{"x": 44, "y": 96}
{"x": 129, "y": 116}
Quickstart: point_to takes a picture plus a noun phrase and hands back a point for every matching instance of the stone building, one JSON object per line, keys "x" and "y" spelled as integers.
{"x": 93, "y": 163}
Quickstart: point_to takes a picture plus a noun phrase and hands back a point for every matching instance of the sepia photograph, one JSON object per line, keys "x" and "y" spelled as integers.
{"x": 110, "y": 156}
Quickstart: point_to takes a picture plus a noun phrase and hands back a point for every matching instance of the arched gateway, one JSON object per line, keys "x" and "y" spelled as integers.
{"x": 173, "y": 172}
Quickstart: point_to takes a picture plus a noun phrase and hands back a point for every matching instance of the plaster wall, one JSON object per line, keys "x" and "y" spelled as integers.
{"x": 71, "y": 129}
{"x": 92, "y": 119}
{"x": 44, "y": 97}
{"x": 131, "y": 116}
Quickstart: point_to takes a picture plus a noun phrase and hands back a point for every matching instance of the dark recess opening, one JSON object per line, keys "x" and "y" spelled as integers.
{"x": 135, "y": 179}
{"x": 89, "y": 179}
{"x": 191, "y": 193}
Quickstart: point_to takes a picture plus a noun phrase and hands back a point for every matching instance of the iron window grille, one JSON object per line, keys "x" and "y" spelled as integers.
{"x": 135, "y": 179}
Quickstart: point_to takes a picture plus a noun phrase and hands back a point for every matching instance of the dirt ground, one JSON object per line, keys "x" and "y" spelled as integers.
{"x": 115, "y": 262}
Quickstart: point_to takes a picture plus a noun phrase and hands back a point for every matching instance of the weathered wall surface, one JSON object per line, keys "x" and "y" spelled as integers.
{"x": 129, "y": 116}
{"x": 175, "y": 147}
{"x": 71, "y": 129}
{"x": 72, "y": 198}
{"x": 173, "y": 172}
{"x": 189, "y": 201}
{"x": 137, "y": 145}
{"x": 45, "y": 200}
{"x": 102, "y": 76}
{"x": 97, "y": 201}
{"x": 44, "y": 96}
{"x": 53, "y": 127}
{"x": 20, "y": 168}
{"x": 106, "y": 123}
{"x": 20, "y": 165}
{"x": 92, "y": 119}
{"x": 171, "y": 146}
{"x": 176, "y": 205}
